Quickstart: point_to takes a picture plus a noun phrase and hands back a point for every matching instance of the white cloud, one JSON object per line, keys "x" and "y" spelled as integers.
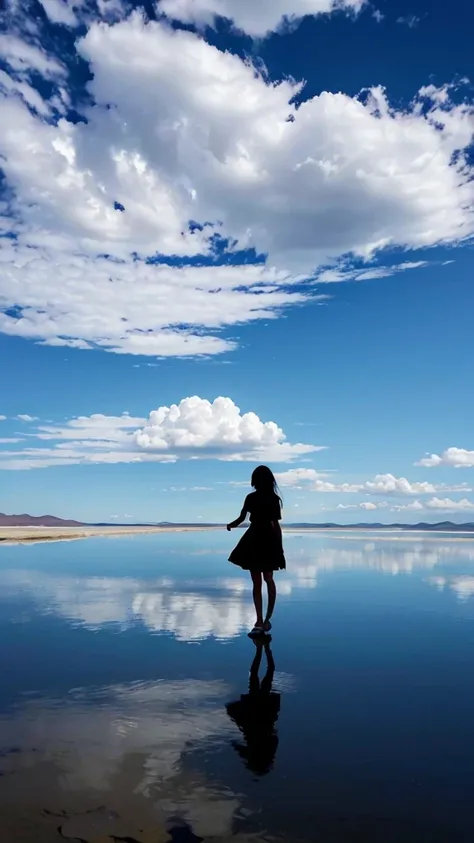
{"x": 198, "y": 134}
{"x": 132, "y": 307}
{"x": 409, "y": 20}
{"x": 298, "y": 477}
{"x": 254, "y": 18}
{"x": 343, "y": 272}
{"x": 439, "y": 504}
{"x": 193, "y": 429}
{"x": 61, "y": 11}
{"x": 435, "y": 504}
{"x": 375, "y": 168}
{"x": 96, "y": 428}
{"x": 26, "y": 418}
{"x": 439, "y": 95}
{"x": 368, "y": 506}
{"x": 218, "y": 428}
{"x": 3, "y": 418}
{"x": 112, "y": 9}
{"x": 382, "y": 484}
{"x": 189, "y": 489}
{"x": 449, "y": 505}
{"x": 455, "y": 457}
{"x": 387, "y": 484}
{"x": 10, "y": 86}
{"x": 24, "y": 57}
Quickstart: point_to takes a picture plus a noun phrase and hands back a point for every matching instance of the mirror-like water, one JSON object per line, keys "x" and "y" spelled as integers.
{"x": 126, "y": 708}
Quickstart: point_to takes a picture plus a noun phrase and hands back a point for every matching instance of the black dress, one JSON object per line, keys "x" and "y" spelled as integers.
{"x": 261, "y": 546}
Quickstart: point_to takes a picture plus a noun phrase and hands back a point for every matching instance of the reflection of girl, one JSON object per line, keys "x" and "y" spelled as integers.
{"x": 260, "y": 550}
{"x": 256, "y": 714}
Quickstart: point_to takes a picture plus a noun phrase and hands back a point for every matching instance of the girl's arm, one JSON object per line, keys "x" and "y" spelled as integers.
{"x": 238, "y": 521}
{"x": 276, "y": 523}
{"x": 277, "y": 527}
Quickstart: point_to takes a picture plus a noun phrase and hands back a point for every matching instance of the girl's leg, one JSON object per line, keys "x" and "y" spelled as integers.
{"x": 267, "y": 681}
{"x": 272, "y": 593}
{"x": 254, "y": 681}
{"x": 257, "y": 595}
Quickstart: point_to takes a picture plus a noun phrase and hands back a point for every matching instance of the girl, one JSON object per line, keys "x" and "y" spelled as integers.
{"x": 260, "y": 550}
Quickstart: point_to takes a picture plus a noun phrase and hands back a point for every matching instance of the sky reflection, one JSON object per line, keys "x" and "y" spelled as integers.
{"x": 193, "y": 609}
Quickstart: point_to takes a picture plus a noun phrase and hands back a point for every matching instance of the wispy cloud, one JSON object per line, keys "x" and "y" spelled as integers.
{"x": 409, "y": 20}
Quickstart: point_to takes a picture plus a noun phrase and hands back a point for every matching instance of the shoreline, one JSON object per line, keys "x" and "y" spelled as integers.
{"x": 33, "y": 535}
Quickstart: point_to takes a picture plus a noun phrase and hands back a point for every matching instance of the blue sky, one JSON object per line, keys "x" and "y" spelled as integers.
{"x": 182, "y": 220}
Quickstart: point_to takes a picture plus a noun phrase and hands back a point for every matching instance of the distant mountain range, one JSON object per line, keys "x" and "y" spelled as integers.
{"x": 26, "y": 520}
{"x": 422, "y": 525}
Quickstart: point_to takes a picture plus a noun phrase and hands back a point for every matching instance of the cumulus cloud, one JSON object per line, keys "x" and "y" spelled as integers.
{"x": 256, "y": 19}
{"x": 454, "y": 457}
{"x": 3, "y": 418}
{"x": 26, "y": 418}
{"x": 387, "y": 484}
{"x": 382, "y": 484}
{"x": 438, "y": 504}
{"x": 435, "y": 504}
{"x": 218, "y": 428}
{"x": 298, "y": 477}
{"x": 361, "y": 164}
{"x": 181, "y": 131}
{"x": 193, "y": 429}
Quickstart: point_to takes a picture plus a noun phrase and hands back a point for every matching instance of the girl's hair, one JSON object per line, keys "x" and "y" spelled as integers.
{"x": 263, "y": 480}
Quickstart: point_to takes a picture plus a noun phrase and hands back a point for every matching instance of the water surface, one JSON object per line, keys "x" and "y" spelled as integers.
{"x": 120, "y": 657}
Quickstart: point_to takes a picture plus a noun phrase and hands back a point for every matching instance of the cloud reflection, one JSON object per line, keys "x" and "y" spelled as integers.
{"x": 162, "y": 605}
{"x": 463, "y": 586}
{"x": 390, "y": 557}
{"x": 221, "y": 607}
{"x": 127, "y": 741}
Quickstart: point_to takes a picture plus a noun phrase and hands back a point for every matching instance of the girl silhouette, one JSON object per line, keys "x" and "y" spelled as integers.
{"x": 256, "y": 715}
{"x": 260, "y": 550}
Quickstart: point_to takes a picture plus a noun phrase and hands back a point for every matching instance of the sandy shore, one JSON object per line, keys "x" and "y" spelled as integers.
{"x": 23, "y": 535}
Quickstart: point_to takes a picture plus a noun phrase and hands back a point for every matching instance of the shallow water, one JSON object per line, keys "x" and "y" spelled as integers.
{"x": 119, "y": 657}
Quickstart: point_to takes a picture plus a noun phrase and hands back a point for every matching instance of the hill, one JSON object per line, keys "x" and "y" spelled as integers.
{"x": 26, "y": 520}
{"x": 442, "y": 526}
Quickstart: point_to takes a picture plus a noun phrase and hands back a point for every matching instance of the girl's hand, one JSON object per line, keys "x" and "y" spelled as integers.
{"x": 229, "y": 528}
